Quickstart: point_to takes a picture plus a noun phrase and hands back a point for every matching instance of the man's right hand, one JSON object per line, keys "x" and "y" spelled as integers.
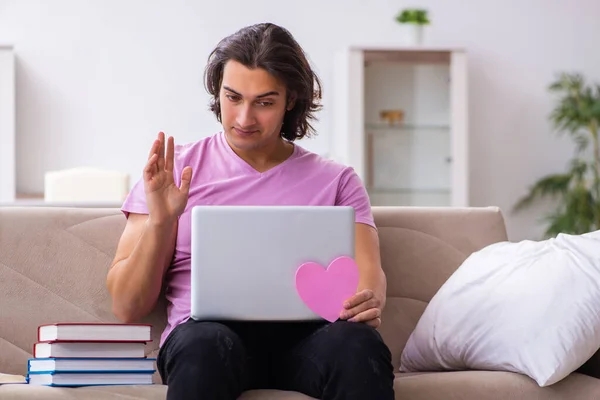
{"x": 164, "y": 199}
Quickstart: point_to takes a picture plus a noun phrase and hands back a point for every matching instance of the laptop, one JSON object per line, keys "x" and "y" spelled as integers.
{"x": 244, "y": 258}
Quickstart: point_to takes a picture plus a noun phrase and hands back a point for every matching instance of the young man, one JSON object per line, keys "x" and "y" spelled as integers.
{"x": 265, "y": 94}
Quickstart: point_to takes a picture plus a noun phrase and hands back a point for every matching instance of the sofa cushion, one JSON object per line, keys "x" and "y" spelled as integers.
{"x": 480, "y": 385}
{"x": 491, "y": 385}
{"x": 421, "y": 247}
{"x": 53, "y": 267}
{"x": 153, "y": 392}
{"x": 26, "y": 392}
{"x": 273, "y": 395}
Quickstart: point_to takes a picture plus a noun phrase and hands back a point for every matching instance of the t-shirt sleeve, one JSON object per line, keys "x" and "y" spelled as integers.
{"x": 353, "y": 193}
{"x": 135, "y": 202}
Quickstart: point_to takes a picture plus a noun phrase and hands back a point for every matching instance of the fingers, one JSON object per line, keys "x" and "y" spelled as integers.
{"x": 169, "y": 162}
{"x": 367, "y": 316}
{"x": 186, "y": 178}
{"x": 154, "y": 148}
{"x": 369, "y": 304}
{"x": 358, "y": 298}
{"x": 151, "y": 167}
{"x": 161, "y": 151}
{"x": 375, "y": 323}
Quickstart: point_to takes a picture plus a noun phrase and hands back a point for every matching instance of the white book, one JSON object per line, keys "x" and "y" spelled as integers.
{"x": 95, "y": 331}
{"x": 89, "y": 350}
{"x": 90, "y": 379}
{"x": 91, "y": 365}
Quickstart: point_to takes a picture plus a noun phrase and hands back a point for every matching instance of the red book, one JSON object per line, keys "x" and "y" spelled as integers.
{"x": 97, "y": 332}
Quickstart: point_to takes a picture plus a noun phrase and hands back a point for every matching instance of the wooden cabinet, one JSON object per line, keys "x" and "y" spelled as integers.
{"x": 401, "y": 121}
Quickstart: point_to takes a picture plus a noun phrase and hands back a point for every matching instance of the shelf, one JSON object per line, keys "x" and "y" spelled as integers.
{"x": 413, "y": 55}
{"x": 35, "y": 202}
{"x": 410, "y": 197}
{"x": 407, "y": 127}
{"x": 30, "y": 196}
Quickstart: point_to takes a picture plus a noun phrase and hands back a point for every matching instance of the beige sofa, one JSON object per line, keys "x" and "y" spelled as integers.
{"x": 53, "y": 264}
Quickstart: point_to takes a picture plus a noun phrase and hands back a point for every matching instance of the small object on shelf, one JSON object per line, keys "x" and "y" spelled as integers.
{"x": 392, "y": 116}
{"x": 413, "y": 21}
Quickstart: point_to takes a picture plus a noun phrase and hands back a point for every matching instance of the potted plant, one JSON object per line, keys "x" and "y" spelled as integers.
{"x": 578, "y": 189}
{"x": 414, "y": 20}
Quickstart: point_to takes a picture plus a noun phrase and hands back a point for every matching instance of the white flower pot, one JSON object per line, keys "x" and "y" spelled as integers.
{"x": 413, "y": 34}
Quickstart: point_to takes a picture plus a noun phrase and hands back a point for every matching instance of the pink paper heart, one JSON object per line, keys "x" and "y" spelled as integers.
{"x": 325, "y": 290}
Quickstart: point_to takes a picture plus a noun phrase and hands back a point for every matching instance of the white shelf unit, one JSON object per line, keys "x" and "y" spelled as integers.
{"x": 422, "y": 160}
{"x": 7, "y": 125}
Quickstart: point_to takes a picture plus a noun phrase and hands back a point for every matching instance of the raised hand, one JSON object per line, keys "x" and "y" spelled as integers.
{"x": 165, "y": 200}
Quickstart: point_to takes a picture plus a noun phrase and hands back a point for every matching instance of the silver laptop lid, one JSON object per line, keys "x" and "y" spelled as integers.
{"x": 244, "y": 258}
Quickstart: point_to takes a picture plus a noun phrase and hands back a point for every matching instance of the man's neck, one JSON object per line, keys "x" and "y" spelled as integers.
{"x": 268, "y": 157}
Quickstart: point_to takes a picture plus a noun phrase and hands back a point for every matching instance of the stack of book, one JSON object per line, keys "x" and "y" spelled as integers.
{"x": 84, "y": 354}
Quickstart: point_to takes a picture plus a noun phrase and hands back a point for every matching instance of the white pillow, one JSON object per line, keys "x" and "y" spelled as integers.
{"x": 528, "y": 307}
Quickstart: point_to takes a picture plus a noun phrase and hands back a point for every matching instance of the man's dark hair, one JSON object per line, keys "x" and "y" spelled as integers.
{"x": 275, "y": 50}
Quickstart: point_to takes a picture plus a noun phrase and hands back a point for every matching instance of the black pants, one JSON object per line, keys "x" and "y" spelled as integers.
{"x": 218, "y": 361}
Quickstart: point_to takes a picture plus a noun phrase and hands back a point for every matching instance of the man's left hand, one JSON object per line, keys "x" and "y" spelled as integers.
{"x": 364, "y": 307}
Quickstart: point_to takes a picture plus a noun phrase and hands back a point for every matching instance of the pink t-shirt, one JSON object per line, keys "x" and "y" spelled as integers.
{"x": 221, "y": 177}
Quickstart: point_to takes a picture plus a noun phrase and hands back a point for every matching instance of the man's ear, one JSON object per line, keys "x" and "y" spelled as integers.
{"x": 291, "y": 101}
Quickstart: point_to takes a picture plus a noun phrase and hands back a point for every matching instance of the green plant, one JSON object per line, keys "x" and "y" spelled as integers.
{"x": 578, "y": 189}
{"x": 413, "y": 16}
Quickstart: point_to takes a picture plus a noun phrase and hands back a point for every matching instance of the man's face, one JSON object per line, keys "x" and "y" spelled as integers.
{"x": 253, "y": 104}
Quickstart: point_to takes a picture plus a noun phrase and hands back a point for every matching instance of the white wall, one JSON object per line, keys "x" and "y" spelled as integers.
{"x": 96, "y": 80}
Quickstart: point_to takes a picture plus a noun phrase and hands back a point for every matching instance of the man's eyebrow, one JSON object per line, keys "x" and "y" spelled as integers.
{"x": 271, "y": 93}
